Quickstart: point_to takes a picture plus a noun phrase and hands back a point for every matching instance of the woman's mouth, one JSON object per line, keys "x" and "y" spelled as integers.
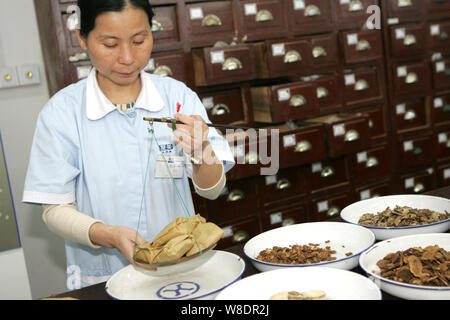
{"x": 126, "y": 75}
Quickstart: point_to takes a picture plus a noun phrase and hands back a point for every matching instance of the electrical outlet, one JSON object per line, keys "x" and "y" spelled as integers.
{"x": 28, "y": 75}
{"x": 8, "y": 77}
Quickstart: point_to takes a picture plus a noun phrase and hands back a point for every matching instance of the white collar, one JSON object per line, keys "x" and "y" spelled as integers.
{"x": 98, "y": 105}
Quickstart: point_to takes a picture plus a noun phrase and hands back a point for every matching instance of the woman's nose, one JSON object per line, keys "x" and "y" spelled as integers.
{"x": 126, "y": 55}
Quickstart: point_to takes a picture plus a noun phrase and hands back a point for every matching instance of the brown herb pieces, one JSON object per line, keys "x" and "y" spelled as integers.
{"x": 402, "y": 217}
{"x": 418, "y": 266}
{"x": 297, "y": 254}
{"x": 294, "y": 295}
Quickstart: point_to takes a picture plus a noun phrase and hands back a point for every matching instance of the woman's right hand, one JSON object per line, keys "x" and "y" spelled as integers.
{"x": 121, "y": 238}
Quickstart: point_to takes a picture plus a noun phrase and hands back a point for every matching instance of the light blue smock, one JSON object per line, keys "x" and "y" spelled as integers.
{"x": 86, "y": 151}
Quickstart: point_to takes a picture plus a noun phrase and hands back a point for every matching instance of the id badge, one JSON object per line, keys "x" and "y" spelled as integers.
{"x": 175, "y": 164}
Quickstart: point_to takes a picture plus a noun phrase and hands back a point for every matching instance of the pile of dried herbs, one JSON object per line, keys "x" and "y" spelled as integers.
{"x": 402, "y": 217}
{"x": 418, "y": 266}
{"x": 297, "y": 254}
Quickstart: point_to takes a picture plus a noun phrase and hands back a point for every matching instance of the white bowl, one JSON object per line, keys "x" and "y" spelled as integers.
{"x": 203, "y": 283}
{"x": 368, "y": 262}
{"x": 337, "y": 284}
{"x": 353, "y": 213}
{"x": 342, "y": 237}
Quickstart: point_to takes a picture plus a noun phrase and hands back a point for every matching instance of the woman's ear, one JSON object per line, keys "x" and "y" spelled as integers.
{"x": 81, "y": 40}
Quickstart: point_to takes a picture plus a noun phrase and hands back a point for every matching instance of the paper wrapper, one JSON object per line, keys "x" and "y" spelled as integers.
{"x": 182, "y": 237}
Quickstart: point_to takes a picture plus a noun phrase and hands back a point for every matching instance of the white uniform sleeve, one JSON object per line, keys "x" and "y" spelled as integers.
{"x": 53, "y": 165}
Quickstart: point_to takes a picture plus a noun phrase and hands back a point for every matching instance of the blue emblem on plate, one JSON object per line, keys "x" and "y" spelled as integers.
{"x": 178, "y": 290}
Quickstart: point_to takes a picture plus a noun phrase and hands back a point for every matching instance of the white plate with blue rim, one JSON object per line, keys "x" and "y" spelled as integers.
{"x": 348, "y": 240}
{"x": 203, "y": 283}
{"x": 353, "y": 213}
{"x": 368, "y": 262}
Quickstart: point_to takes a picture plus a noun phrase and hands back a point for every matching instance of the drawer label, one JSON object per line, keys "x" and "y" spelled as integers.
{"x": 435, "y": 30}
{"x": 217, "y": 56}
{"x": 208, "y": 102}
{"x": 339, "y": 130}
{"x": 446, "y": 173}
{"x": 316, "y": 167}
{"x": 299, "y": 4}
{"x": 409, "y": 183}
{"x": 289, "y": 141}
{"x": 322, "y": 206}
{"x": 276, "y": 218}
{"x": 278, "y": 49}
{"x": 350, "y": 79}
{"x": 352, "y": 39}
{"x": 438, "y": 103}
{"x": 400, "y": 108}
{"x": 400, "y": 33}
{"x": 402, "y": 72}
{"x": 196, "y": 13}
{"x": 227, "y": 232}
{"x": 250, "y": 9}
{"x": 440, "y": 66}
{"x": 284, "y": 94}
{"x": 442, "y": 137}
{"x": 408, "y": 146}
{"x": 271, "y": 180}
{"x": 361, "y": 157}
{"x": 364, "y": 195}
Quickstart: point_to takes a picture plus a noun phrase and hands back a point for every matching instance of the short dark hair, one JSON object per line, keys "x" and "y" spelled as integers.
{"x": 91, "y": 9}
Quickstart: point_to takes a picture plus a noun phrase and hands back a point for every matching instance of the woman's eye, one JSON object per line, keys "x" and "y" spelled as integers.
{"x": 138, "y": 42}
{"x": 111, "y": 46}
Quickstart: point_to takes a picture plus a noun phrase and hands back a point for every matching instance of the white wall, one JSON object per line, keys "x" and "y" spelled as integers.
{"x": 19, "y": 107}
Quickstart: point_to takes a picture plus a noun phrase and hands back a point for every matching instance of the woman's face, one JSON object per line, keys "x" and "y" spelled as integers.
{"x": 120, "y": 45}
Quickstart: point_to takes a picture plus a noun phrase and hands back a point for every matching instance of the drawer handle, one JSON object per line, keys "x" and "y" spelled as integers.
{"x": 288, "y": 222}
{"x": 264, "y": 16}
{"x": 283, "y": 184}
{"x": 448, "y": 144}
{"x": 356, "y": 6}
{"x": 417, "y": 151}
{"x": 361, "y": 85}
{"x": 220, "y": 110}
{"x": 412, "y": 78}
{"x": 410, "y": 40}
{"x": 404, "y": 3}
{"x": 79, "y": 56}
{"x": 297, "y": 101}
{"x": 363, "y": 45}
{"x": 319, "y": 52}
{"x": 443, "y": 36}
{"x": 164, "y": 71}
{"x": 235, "y": 195}
{"x": 292, "y": 56}
{"x": 372, "y": 162}
{"x": 231, "y": 64}
{"x": 322, "y": 93}
{"x": 333, "y": 212}
{"x": 351, "y": 136}
{"x": 156, "y": 26}
{"x": 251, "y": 158}
{"x": 410, "y": 115}
{"x": 240, "y": 236}
{"x": 419, "y": 188}
{"x": 303, "y": 146}
{"x": 327, "y": 172}
{"x": 371, "y": 124}
{"x": 312, "y": 11}
{"x": 211, "y": 20}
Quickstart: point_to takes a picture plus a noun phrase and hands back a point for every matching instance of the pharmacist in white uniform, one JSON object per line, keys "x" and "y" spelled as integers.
{"x": 96, "y": 165}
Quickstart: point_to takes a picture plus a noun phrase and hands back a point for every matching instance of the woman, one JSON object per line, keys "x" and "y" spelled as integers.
{"x": 95, "y": 165}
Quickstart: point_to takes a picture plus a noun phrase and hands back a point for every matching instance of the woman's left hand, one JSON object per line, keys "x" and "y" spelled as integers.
{"x": 191, "y": 135}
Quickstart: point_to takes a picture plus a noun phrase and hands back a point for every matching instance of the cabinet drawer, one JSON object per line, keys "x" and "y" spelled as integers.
{"x": 441, "y": 74}
{"x": 362, "y": 87}
{"x": 285, "y": 216}
{"x": 165, "y": 27}
{"x": 417, "y": 151}
{"x": 292, "y": 101}
{"x": 370, "y": 165}
{"x": 331, "y": 206}
{"x": 225, "y": 107}
{"x": 224, "y": 65}
{"x": 238, "y": 232}
{"x": 329, "y": 93}
{"x": 408, "y": 40}
{"x": 404, "y": 8}
{"x": 346, "y": 133}
{"x": 168, "y": 64}
{"x": 411, "y": 115}
{"x": 328, "y": 173}
{"x": 439, "y": 37}
{"x": 444, "y": 175}
{"x": 262, "y": 20}
{"x": 441, "y": 109}
{"x": 411, "y": 78}
{"x": 353, "y": 14}
{"x": 307, "y": 16}
{"x": 324, "y": 50}
{"x": 362, "y": 46}
{"x": 438, "y": 8}
{"x": 375, "y": 190}
{"x": 442, "y": 138}
{"x": 208, "y": 21}
{"x": 285, "y": 184}
{"x": 377, "y": 123}
{"x": 238, "y": 199}
{"x": 302, "y": 145}
{"x": 418, "y": 182}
